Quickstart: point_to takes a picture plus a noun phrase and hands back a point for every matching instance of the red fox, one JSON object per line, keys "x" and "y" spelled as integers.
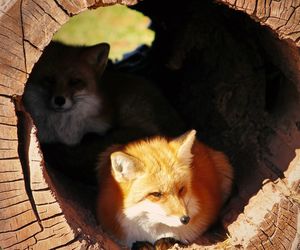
{"x": 80, "y": 106}
{"x": 71, "y": 93}
{"x": 158, "y": 188}
{"x": 62, "y": 94}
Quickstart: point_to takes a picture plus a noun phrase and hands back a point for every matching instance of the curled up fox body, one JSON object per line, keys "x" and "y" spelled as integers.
{"x": 159, "y": 188}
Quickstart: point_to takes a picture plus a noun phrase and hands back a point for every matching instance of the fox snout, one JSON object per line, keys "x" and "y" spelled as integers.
{"x": 176, "y": 220}
{"x": 185, "y": 219}
{"x": 60, "y": 103}
{"x": 177, "y": 209}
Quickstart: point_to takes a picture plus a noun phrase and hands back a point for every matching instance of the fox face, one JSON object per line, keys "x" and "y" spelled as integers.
{"x": 167, "y": 204}
{"x": 167, "y": 208}
{"x": 62, "y": 93}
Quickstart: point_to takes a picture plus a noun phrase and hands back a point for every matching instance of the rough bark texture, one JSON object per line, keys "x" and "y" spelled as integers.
{"x": 259, "y": 127}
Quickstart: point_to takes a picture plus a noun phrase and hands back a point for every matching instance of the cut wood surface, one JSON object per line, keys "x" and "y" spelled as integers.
{"x": 271, "y": 219}
{"x": 33, "y": 214}
{"x": 282, "y": 16}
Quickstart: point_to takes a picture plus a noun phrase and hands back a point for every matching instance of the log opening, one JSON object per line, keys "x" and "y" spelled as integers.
{"x": 230, "y": 78}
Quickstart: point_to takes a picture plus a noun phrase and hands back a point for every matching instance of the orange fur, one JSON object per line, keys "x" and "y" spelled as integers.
{"x": 146, "y": 187}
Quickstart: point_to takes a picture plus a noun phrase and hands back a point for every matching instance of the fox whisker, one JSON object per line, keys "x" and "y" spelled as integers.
{"x": 80, "y": 97}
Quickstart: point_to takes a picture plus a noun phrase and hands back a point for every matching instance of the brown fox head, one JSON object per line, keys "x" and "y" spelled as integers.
{"x": 66, "y": 74}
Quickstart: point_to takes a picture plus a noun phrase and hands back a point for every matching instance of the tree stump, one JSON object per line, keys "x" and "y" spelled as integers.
{"x": 231, "y": 69}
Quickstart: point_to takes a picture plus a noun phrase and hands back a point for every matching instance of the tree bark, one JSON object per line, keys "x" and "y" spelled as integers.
{"x": 35, "y": 212}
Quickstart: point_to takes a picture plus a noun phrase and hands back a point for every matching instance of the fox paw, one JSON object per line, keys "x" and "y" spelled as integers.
{"x": 166, "y": 243}
{"x": 142, "y": 245}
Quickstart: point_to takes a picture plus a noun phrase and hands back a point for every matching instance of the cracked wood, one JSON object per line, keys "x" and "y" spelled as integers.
{"x": 31, "y": 215}
{"x": 282, "y": 16}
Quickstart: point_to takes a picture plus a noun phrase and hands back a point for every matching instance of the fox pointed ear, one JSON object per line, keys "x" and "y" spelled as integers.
{"x": 97, "y": 56}
{"x": 184, "y": 144}
{"x": 124, "y": 166}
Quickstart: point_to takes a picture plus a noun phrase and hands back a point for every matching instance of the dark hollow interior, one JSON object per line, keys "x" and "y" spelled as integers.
{"x": 224, "y": 74}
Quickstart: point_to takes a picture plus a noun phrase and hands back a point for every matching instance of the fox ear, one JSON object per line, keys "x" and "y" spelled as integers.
{"x": 184, "y": 144}
{"x": 124, "y": 166}
{"x": 97, "y": 56}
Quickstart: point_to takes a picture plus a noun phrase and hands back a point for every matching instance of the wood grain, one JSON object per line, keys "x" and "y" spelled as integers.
{"x": 281, "y": 16}
{"x": 269, "y": 221}
{"x": 32, "y": 213}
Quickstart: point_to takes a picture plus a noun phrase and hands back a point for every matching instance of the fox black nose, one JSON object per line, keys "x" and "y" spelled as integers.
{"x": 59, "y": 100}
{"x": 185, "y": 219}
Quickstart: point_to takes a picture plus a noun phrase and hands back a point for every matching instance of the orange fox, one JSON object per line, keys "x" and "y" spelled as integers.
{"x": 159, "y": 188}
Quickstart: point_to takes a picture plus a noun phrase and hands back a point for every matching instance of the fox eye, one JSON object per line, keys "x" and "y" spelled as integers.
{"x": 76, "y": 82}
{"x": 156, "y": 194}
{"x": 181, "y": 190}
{"x": 48, "y": 81}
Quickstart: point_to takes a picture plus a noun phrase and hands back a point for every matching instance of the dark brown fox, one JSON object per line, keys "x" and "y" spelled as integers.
{"x": 79, "y": 107}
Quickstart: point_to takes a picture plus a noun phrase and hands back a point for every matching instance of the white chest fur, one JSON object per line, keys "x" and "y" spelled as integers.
{"x": 149, "y": 224}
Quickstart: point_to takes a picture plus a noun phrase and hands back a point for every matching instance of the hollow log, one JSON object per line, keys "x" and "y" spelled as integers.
{"x": 255, "y": 113}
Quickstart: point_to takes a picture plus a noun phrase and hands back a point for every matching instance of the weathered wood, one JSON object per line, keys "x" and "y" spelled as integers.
{"x": 33, "y": 212}
{"x": 271, "y": 219}
{"x": 282, "y": 16}
{"x": 12, "y": 75}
